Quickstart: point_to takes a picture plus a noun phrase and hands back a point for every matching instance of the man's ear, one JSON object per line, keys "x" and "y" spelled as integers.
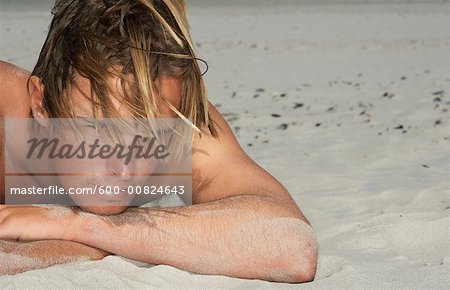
{"x": 36, "y": 89}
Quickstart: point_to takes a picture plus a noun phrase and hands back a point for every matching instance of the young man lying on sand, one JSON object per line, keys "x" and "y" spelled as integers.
{"x": 243, "y": 222}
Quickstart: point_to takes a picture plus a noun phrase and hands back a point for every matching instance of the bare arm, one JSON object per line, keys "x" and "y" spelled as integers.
{"x": 243, "y": 222}
{"x": 17, "y": 257}
{"x": 242, "y": 236}
{"x": 247, "y": 236}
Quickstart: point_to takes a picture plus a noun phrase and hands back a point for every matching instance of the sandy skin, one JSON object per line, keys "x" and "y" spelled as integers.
{"x": 202, "y": 238}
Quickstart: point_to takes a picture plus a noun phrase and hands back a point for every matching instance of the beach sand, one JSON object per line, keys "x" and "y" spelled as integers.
{"x": 347, "y": 104}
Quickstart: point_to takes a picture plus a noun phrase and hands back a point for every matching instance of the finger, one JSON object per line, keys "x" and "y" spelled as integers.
{"x": 7, "y": 233}
{"x": 3, "y": 206}
{"x": 4, "y": 213}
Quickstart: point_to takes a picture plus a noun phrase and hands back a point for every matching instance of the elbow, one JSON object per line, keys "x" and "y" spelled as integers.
{"x": 299, "y": 254}
{"x": 301, "y": 266}
{"x": 303, "y": 271}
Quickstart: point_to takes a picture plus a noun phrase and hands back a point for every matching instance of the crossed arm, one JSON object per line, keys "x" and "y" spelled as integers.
{"x": 241, "y": 236}
{"x": 243, "y": 224}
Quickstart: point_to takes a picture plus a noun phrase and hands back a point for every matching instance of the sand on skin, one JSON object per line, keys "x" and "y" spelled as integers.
{"x": 347, "y": 105}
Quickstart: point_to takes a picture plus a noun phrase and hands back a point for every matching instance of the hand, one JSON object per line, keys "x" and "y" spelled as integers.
{"x": 27, "y": 223}
{"x": 17, "y": 257}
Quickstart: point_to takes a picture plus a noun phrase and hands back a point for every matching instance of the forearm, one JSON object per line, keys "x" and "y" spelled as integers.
{"x": 245, "y": 236}
{"x": 17, "y": 257}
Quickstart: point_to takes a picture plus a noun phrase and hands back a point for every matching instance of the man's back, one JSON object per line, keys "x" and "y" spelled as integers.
{"x": 14, "y": 100}
{"x": 14, "y": 103}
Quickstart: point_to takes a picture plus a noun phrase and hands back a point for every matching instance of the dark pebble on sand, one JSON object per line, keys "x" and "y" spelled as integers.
{"x": 405, "y": 131}
{"x": 260, "y": 90}
{"x": 331, "y": 109}
{"x": 425, "y": 166}
{"x": 403, "y": 78}
{"x": 276, "y": 115}
{"x": 385, "y": 95}
{"x": 255, "y": 96}
{"x": 283, "y": 126}
{"x": 438, "y": 93}
{"x": 283, "y": 95}
{"x": 266, "y": 141}
{"x": 399, "y": 127}
{"x": 318, "y": 124}
{"x": 249, "y": 144}
{"x": 234, "y": 94}
{"x": 362, "y": 113}
{"x": 438, "y": 122}
{"x": 437, "y": 99}
{"x": 298, "y": 105}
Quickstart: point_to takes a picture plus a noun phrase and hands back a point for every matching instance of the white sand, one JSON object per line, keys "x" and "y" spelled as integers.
{"x": 378, "y": 198}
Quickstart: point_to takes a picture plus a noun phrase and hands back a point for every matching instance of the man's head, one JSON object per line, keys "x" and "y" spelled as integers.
{"x": 135, "y": 41}
{"x": 119, "y": 59}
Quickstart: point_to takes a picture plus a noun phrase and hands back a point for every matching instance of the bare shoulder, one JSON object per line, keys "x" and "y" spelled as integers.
{"x": 221, "y": 168}
{"x": 210, "y": 146}
{"x": 213, "y": 151}
{"x": 13, "y": 89}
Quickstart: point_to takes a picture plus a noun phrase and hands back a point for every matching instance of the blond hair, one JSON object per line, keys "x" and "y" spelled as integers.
{"x": 146, "y": 39}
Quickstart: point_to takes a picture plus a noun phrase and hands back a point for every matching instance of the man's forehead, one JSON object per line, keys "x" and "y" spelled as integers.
{"x": 82, "y": 94}
{"x": 82, "y": 81}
